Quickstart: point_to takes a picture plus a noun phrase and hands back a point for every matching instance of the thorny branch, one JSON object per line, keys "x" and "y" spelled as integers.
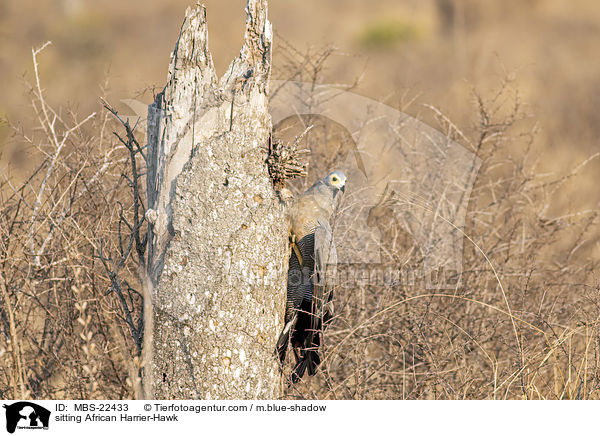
{"x": 133, "y": 235}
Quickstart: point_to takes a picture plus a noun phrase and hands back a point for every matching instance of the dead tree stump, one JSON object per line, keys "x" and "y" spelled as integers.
{"x": 217, "y": 248}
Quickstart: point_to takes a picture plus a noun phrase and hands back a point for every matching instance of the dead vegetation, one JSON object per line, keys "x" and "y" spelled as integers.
{"x": 67, "y": 330}
{"x": 523, "y": 322}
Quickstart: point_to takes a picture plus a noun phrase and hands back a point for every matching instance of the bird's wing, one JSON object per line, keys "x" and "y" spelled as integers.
{"x": 299, "y": 293}
{"x": 325, "y": 257}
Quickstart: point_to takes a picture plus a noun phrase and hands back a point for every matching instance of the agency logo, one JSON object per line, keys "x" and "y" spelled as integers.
{"x": 26, "y": 415}
{"x": 408, "y": 184}
{"x": 408, "y": 187}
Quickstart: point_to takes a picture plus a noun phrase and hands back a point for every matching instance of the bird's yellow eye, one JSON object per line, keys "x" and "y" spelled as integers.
{"x": 334, "y": 179}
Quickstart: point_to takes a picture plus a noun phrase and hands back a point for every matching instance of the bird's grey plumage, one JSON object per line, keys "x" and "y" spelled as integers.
{"x": 309, "y": 305}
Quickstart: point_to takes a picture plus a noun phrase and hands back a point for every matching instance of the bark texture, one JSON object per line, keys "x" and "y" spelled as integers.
{"x": 218, "y": 246}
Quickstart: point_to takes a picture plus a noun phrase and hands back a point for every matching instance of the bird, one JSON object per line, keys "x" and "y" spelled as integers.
{"x": 309, "y": 304}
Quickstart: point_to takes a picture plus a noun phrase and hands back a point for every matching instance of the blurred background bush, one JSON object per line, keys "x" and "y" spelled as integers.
{"x": 431, "y": 50}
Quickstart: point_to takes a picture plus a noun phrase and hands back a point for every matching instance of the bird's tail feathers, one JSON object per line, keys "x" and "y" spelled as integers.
{"x": 281, "y": 347}
{"x": 309, "y": 361}
{"x": 298, "y": 371}
{"x": 284, "y": 338}
{"x": 313, "y": 362}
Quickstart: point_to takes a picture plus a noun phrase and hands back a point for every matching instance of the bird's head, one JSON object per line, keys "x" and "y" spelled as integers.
{"x": 336, "y": 180}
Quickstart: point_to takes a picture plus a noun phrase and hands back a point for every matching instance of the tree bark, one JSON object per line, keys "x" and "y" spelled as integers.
{"x": 217, "y": 250}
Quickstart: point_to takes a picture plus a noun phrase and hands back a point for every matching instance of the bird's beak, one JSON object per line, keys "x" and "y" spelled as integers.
{"x": 343, "y": 188}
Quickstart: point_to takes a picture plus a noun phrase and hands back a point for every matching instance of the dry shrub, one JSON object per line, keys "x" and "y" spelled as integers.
{"x": 522, "y": 321}
{"x": 63, "y": 333}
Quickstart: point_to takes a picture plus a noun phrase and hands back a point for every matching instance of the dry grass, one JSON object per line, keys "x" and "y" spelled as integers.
{"x": 63, "y": 332}
{"x": 523, "y": 323}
